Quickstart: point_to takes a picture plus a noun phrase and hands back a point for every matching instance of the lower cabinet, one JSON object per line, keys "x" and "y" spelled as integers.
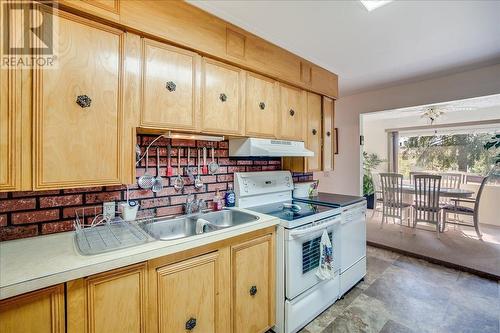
{"x": 253, "y": 285}
{"x": 108, "y": 302}
{"x": 222, "y": 287}
{"x": 187, "y": 295}
{"x": 41, "y": 311}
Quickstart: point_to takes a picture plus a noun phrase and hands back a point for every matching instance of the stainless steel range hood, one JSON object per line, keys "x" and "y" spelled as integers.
{"x": 253, "y": 147}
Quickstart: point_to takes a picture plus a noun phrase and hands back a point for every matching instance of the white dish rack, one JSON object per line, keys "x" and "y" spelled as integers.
{"x": 103, "y": 235}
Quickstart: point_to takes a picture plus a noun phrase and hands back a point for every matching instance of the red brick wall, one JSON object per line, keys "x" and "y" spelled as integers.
{"x": 26, "y": 214}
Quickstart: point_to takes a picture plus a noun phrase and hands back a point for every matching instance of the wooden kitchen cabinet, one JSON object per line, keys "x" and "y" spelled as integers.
{"x": 41, "y": 311}
{"x": 109, "y": 9}
{"x": 170, "y": 87}
{"x": 114, "y": 301}
{"x": 77, "y": 108}
{"x": 187, "y": 295}
{"x": 291, "y": 113}
{"x": 261, "y": 110}
{"x": 222, "y": 91}
{"x": 313, "y": 140}
{"x": 328, "y": 135}
{"x": 253, "y": 285}
{"x": 314, "y": 132}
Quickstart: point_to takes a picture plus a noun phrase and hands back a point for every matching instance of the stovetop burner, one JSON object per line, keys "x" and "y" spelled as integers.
{"x": 290, "y": 210}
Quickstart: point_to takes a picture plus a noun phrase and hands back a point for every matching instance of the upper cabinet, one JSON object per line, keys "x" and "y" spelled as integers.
{"x": 109, "y": 9}
{"x": 77, "y": 108}
{"x": 292, "y": 113}
{"x": 170, "y": 87}
{"x": 313, "y": 137}
{"x": 10, "y": 121}
{"x": 222, "y": 98}
{"x": 328, "y": 138}
{"x": 261, "y": 109}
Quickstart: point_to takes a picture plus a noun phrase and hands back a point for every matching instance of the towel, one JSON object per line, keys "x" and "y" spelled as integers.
{"x": 325, "y": 268}
{"x": 200, "y": 225}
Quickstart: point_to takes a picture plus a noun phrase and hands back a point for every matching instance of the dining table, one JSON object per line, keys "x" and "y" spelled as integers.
{"x": 443, "y": 192}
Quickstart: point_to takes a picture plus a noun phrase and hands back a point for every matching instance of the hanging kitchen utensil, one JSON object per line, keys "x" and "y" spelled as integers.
{"x": 213, "y": 167}
{"x": 190, "y": 170}
{"x": 157, "y": 181}
{"x": 137, "y": 153}
{"x": 179, "y": 181}
{"x": 146, "y": 180}
{"x": 205, "y": 168}
{"x": 170, "y": 171}
{"x": 198, "y": 183}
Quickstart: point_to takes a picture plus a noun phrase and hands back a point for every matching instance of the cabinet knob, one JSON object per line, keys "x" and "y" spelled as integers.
{"x": 328, "y": 133}
{"x": 171, "y": 86}
{"x": 84, "y": 101}
{"x": 190, "y": 324}
{"x": 262, "y": 105}
{"x": 253, "y": 290}
{"x": 223, "y": 97}
{"x": 292, "y": 112}
{"x": 314, "y": 131}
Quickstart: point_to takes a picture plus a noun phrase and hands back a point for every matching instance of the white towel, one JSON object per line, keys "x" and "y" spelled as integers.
{"x": 200, "y": 225}
{"x": 325, "y": 267}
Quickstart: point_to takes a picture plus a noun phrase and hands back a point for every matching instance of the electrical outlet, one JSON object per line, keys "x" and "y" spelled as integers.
{"x": 108, "y": 209}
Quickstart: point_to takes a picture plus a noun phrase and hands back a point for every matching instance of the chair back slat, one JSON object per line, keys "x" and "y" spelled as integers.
{"x": 427, "y": 188}
{"x": 392, "y": 194}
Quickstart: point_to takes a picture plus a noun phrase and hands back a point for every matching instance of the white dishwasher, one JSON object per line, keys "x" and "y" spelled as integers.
{"x": 352, "y": 246}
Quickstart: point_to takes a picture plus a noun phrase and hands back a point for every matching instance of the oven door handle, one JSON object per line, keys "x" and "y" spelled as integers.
{"x": 301, "y": 232}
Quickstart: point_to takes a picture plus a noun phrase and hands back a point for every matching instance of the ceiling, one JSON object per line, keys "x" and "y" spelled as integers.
{"x": 403, "y": 41}
{"x": 472, "y": 108}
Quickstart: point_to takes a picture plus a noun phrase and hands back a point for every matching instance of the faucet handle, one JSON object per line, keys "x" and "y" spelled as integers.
{"x": 202, "y": 205}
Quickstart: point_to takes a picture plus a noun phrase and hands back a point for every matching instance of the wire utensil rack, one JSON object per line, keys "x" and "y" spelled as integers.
{"x": 103, "y": 235}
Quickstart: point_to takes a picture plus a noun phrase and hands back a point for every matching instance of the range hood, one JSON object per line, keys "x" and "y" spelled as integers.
{"x": 253, "y": 147}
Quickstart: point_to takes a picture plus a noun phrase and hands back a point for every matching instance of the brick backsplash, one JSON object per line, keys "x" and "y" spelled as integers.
{"x": 27, "y": 214}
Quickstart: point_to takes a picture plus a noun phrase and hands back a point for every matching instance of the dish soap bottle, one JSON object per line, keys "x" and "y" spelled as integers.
{"x": 218, "y": 201}
{"x": 229, "y": 197}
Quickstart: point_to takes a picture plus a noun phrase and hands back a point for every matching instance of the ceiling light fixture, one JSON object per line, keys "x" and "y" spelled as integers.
{"x": 432, "y": 113}
{"x": 374, "y": 4}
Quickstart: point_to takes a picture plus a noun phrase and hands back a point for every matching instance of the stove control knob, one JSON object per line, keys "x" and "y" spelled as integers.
{"x": 288, "y": 184}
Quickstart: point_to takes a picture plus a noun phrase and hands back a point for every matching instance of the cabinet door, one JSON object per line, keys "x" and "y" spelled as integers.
{"x": 253, "y": 285}
{"x": 77, "y": 108}
{"x": 41, "y": 311}
{"x": 113, "y": 301}
{"x": 222, "y": 98}
{"x": 109, "y": 9}
{"x": 187, "y": 295}
{"x": 328, "y": 139}
{"x": 169, "y": 89}
{"x": 313, "y": 138}
{"x": 292, "y": 113}
{"x": 261, "y": 106}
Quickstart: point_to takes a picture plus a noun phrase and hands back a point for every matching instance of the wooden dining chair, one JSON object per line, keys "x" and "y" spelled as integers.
{"x": 458, "y": 209}
{"x": 426, "y": 206}
{"x": 414, "y": 173}
{"x": 451, "y": 180}
{"x": 392, "y": 198}
{"x": 377, "y": 194}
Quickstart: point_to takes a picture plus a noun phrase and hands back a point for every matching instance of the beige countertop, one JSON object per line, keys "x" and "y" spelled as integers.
{"x": 38, "y": 262}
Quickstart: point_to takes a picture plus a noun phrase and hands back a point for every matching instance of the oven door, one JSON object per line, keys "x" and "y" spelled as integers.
{"x": 302, "y": 254}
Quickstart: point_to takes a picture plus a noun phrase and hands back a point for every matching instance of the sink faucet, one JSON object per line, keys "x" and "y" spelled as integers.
{"x": 194, "y": 206}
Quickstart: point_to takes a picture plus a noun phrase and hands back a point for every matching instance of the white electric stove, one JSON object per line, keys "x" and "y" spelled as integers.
{"x": 300, "y": 294}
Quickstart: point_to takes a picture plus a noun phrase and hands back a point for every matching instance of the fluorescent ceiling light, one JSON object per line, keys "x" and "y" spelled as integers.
{"x": 374, "y": 4}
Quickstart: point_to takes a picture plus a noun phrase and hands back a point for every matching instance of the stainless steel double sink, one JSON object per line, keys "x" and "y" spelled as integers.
{"x": 195, "y": 224}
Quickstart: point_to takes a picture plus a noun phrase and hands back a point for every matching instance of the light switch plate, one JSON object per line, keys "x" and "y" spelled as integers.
{"x": 108, "y": 209}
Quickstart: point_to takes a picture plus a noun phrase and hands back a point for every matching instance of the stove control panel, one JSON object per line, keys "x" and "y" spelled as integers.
{"x": 248, "y": 184}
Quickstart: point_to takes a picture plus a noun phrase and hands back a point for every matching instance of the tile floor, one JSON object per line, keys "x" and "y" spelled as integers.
{"x": 458, "y": 246}
{"x": 404, "y": 294}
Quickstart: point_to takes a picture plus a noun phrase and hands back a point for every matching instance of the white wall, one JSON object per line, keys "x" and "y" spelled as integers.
{"x": 346, "y": 176}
